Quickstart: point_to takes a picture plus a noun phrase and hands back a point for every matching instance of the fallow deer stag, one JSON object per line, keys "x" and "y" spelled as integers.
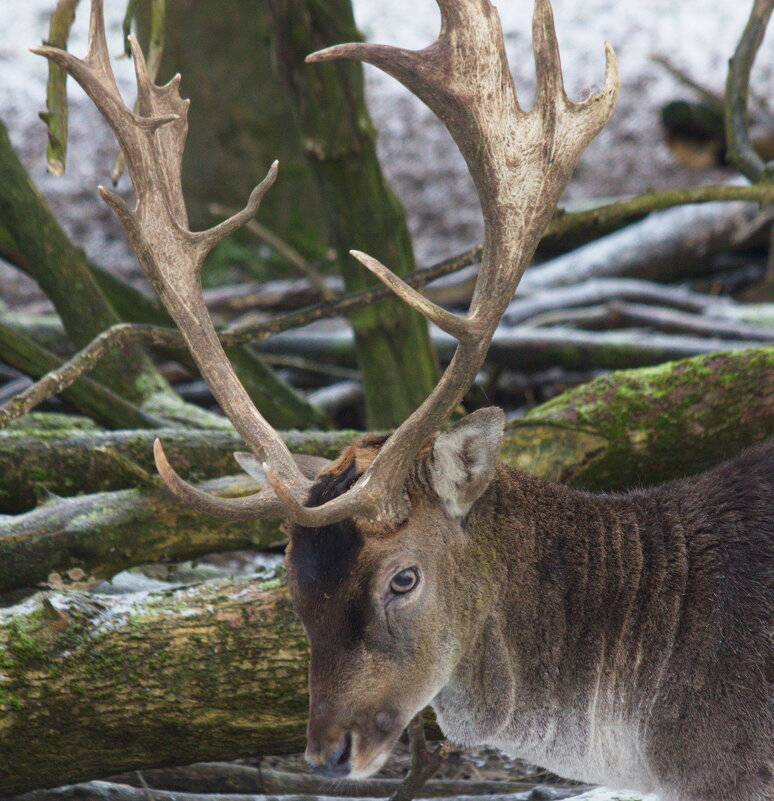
{"x": 622, "y": 640}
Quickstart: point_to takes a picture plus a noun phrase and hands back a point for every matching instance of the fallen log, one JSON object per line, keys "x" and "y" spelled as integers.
{"x": 96, "y": 685}
{"x": 641, "y": 427}
{"x": 673, "y": 321}
{"x": 603, "y": 290}
{"x": 82, "y": 540}
{"x": 66, "y": 460}
{"x": 666, "y": 246}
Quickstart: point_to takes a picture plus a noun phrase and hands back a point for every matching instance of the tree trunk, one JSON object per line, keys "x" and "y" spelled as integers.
{"x": 328, "y": 102}
{"x": 96, "y": 685}
{"x": 239, "y": 121}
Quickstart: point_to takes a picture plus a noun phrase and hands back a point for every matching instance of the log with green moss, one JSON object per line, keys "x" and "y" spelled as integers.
{"x": 66, "y": 456}
{"x": 641, "y": 427}
{"x": 328, "y": 102}
{"x": 95, "y": 685}
{"x": 91, "y": 537}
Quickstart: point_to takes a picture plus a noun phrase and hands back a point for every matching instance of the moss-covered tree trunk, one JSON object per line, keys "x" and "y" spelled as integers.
{"x": 393, "y": 347}
{"x": 238, "y": 121}
{"x": 63, "y": 274}
{"x": 95, "y": 685}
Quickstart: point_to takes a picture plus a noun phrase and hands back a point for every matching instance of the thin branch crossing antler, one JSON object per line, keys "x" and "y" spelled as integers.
{"x": 520, "y": 163}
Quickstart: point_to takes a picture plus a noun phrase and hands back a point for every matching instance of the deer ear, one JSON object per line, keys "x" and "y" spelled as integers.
{"x": 464, "y": 458}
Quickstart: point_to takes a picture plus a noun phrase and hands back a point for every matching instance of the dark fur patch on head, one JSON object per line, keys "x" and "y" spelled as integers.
{"x": 322, "y": 556}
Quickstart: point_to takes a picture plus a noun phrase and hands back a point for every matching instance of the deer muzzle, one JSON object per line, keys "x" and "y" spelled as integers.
{"x": 353, "y": 750}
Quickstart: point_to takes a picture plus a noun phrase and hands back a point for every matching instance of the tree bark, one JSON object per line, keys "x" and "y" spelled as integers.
{"x": 328, "y": 102}
{"x": 95, "y": 685}
{"x": 239, "y": 121}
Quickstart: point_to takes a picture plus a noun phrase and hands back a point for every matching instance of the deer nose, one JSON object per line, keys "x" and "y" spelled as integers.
{"x": 333, "y": 759}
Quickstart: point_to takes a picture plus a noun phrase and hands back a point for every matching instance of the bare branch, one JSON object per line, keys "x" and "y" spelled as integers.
{"x": 55, "y": 115}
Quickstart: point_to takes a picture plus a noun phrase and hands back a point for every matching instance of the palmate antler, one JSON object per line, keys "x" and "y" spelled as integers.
{"x": 520, "y": 162}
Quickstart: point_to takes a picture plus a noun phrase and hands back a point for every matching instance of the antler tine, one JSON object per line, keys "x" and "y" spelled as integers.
{"x": 456, "y": 326}
{"x": 171, "y": 255}
{"x": 548, "y": 63}
{"x": 261, "y": 504}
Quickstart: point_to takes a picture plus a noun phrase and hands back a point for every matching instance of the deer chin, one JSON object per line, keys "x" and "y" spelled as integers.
{"x": 365, "y": 765}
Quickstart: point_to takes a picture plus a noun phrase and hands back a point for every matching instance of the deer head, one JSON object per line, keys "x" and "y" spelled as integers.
{"x": 378, "y": 536}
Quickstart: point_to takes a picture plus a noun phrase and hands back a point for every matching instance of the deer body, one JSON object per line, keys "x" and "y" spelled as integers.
{"x": 630, "y": 640}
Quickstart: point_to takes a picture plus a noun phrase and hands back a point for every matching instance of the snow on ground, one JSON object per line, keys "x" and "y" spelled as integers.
{"x": 417, "y": 153}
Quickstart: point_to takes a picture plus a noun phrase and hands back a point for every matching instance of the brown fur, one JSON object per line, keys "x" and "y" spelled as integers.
{"x": 626, "y": 640}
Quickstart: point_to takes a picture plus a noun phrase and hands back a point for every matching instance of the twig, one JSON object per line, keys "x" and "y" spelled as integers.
{"x": 55, "y": 115}
{"x": 287, "y": 251}
{"x": 124, "y": 333}
{"x": 741, "y": 152}
{"x": 66, "y": 374}
{"x": 424, "y": 762}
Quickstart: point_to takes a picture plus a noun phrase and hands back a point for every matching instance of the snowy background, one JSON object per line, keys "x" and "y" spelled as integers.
{"x": 417, "y": 153}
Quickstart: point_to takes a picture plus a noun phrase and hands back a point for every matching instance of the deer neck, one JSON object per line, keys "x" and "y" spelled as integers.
{"x": 581, "y": 583}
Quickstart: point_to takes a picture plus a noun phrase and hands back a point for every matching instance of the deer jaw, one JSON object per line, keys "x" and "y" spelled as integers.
{"x": 390, "y": 614}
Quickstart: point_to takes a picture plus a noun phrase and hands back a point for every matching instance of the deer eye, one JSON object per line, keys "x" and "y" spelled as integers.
{"x": 405, "y": 581}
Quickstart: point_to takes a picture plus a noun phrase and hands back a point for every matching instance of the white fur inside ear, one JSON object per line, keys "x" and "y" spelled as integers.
{"x": 464, "y": 459}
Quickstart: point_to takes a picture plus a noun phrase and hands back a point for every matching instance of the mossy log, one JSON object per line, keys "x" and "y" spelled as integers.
{"x": 641, "y": 427}
{"x": 68, "y": 460}
{"x": 87, "y": 538}
{"x": 96, "y": 685}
